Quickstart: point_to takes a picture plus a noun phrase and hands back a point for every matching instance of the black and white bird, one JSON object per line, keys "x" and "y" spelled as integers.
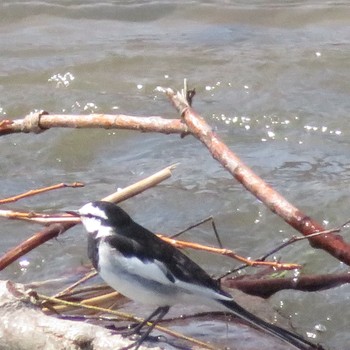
{"x": 144, "y": 268}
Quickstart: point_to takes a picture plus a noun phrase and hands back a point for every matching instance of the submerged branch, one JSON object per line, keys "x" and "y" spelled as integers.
{"x": 266, "y": 287}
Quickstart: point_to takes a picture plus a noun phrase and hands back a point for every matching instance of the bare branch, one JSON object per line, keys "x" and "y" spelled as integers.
{"x": 39, "y": 191}
{"x": 39, "y": 122}
{"x": 229, "y": 253}
{"x": 333, "y": 244}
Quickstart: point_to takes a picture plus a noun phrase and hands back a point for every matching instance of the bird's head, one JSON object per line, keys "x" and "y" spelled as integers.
{"x": 102, "y": 218}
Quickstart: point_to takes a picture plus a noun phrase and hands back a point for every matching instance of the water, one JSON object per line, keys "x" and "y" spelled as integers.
{"x": 271, "y": 77}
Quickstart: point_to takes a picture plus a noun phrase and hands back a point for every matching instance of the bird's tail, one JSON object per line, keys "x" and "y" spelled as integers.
{"x": 294, "y": 339}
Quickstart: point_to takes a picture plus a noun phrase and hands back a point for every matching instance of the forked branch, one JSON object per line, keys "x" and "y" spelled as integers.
{"x": 333, "y": 244}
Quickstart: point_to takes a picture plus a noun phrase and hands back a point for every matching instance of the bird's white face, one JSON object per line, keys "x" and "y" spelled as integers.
{"x": 92, "y": 218}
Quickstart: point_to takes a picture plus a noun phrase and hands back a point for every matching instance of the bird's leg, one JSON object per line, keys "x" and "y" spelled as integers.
{"x": 136, "y": 328}
{"x": 161, "y": 312}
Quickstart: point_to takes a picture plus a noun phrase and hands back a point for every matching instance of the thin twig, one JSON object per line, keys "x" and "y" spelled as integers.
{"x": 67, "y": 290}
{"x": 39, "y": 218}
{"x": 191, "y": 227}
{"x": 216, "y": 233}
{"x": 294, "y": 239}
{"x": 209, "y": 218}
{"x": 39, "y": 191}
{"x": 228, "y": 253}
{"x": 290, "y": 241}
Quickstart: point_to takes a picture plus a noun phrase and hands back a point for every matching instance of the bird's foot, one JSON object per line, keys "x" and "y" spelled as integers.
{"x": 127, "y": 330}
{"x": 141, "y": 338}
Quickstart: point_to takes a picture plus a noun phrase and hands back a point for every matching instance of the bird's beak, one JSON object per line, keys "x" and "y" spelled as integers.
{"x": 73, "y": 213}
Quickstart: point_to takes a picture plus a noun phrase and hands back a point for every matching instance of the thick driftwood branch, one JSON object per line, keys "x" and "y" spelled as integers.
{"x": 34, "y": 241}
{"x": 333, "y": 244}
{"x": 264, "y": 288}
{"x": 39, "y": 122}
{"x": 24, "y": 327}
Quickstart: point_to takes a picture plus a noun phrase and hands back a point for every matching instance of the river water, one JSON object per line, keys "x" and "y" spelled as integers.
{"x": 272, "y": 78}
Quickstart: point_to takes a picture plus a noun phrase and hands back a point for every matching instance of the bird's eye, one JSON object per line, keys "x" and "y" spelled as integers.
{"x": 90, "y": 216}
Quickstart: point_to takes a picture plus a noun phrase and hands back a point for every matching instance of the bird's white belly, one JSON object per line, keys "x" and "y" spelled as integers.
{"x": 134, "y": 279}
{"x": 147, "y": 282}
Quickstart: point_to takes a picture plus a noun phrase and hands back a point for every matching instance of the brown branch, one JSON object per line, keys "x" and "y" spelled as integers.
{"x": 71, "y": 287}
{"x": 39, "y": 122}
{"x": 229, "y": 253}
{"x": 29, "y": 244}
{"x": 333, "y": 244}
{"x": 266, "y": 287}
{"x": 39, "y": 191}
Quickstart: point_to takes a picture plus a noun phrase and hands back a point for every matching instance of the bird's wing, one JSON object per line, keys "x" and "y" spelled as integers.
{"x": 133, "y": 258}
{"x": 174, "y": 264}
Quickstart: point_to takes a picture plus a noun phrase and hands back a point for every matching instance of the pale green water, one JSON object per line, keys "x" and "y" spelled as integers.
{"x": 271, "y": 77}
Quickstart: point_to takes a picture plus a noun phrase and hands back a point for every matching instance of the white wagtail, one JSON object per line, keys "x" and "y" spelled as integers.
{"x": 144, "y": 268}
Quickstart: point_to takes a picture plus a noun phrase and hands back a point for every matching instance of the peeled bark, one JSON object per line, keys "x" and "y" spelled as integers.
{"x": 23, "y": 326}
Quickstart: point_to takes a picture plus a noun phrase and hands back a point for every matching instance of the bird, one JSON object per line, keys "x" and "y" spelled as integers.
{"x": 141, "y": 266}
